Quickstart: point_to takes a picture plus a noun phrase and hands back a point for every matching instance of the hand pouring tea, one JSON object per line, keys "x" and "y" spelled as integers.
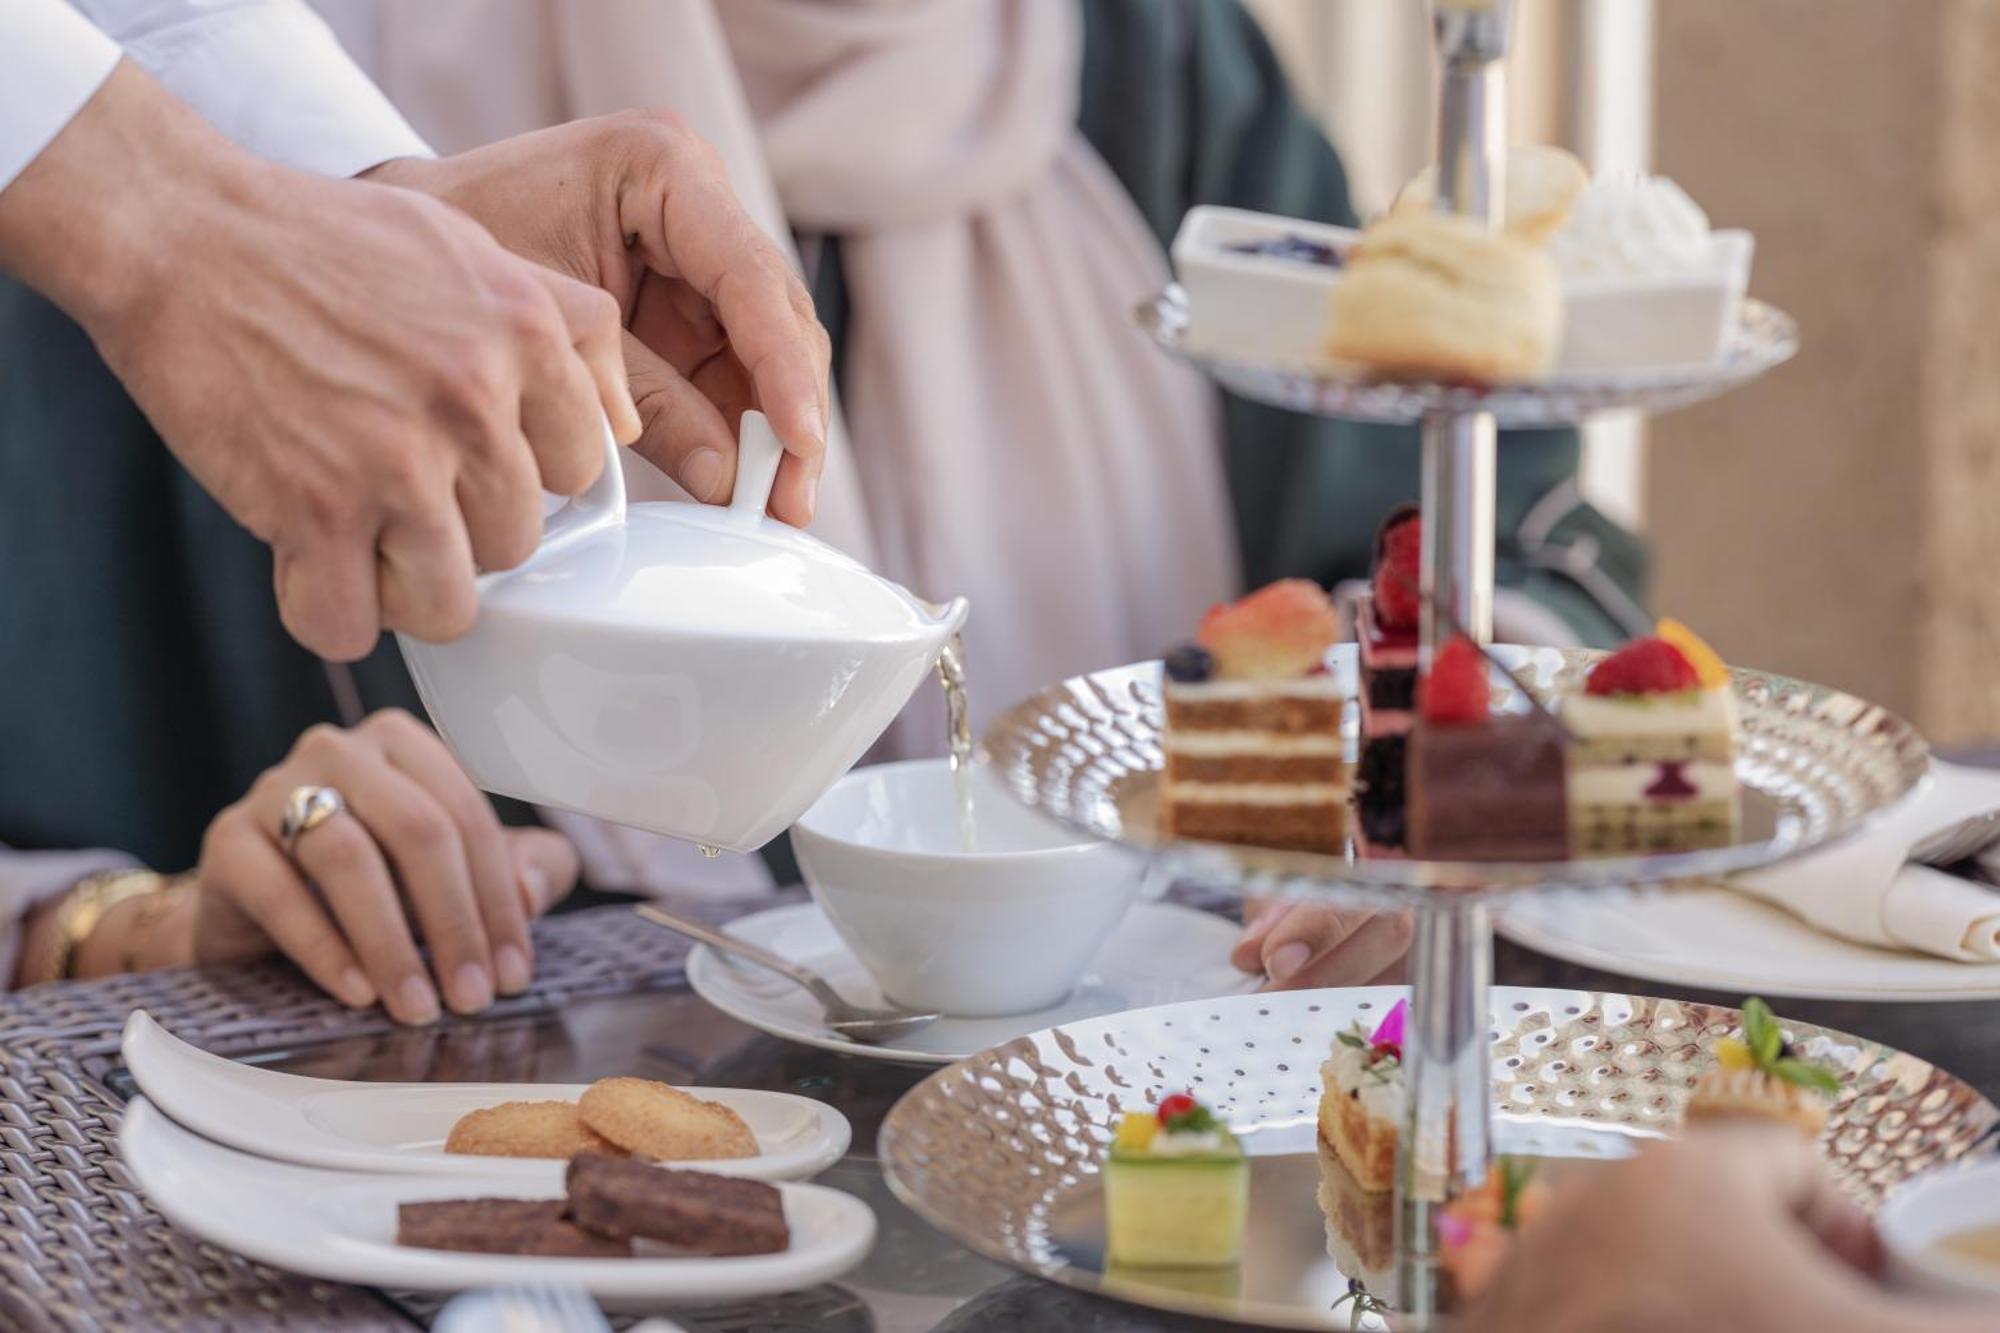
{"x": 696, "y": 671}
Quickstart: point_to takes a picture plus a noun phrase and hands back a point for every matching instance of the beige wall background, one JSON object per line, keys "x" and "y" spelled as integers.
{"x": 1839, "y": 520}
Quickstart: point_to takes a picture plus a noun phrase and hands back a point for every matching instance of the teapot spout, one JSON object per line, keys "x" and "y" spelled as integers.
{"x": 948, "y": 617}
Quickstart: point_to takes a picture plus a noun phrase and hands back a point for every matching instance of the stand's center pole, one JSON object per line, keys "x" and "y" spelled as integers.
{"x": 1446, "y": 1139}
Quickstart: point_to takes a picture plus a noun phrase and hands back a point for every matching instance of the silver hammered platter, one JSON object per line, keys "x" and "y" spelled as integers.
{"x": 1001, "y": 1151}
{"x": 1815, "y": 765}
{"x": 1764, "y": 337}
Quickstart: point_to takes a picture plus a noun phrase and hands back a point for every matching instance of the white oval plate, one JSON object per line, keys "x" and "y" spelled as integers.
{"x": 401, "y": 1127}
{"x": 1158, "y": 954}
{"x": 1717, "y": 939}
{"x": 341, "y": 1225}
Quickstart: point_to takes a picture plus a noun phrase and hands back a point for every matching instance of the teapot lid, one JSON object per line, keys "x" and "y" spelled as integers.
{"x": 689, "y": 568}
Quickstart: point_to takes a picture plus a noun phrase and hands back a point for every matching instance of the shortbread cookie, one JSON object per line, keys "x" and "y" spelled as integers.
{"x": 525, "y": 1129}
{"x": 654, "y": 1120}
{"x": 1542, "y": 186}
{"x": 1445, "y": 298}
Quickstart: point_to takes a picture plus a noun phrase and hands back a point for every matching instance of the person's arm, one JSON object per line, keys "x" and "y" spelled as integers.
{"x": 32, "y": 885}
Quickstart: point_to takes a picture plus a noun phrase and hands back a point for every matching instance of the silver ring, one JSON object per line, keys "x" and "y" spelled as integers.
{"x": 305, "y": 810}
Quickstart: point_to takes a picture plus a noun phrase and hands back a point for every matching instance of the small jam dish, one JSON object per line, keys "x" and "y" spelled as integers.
{"x": 1259, "y": 287}
{"x": 1924, "y": 1224}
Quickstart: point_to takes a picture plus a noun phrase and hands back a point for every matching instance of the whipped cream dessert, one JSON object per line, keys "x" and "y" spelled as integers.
{"x": 1624, "y": 225}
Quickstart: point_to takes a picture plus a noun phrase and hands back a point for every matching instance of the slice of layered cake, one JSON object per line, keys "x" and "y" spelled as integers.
{"x": 1386, "y": 631}
{"x": 1361, "y": 1098}
{"x": 1653, "y": 765}
{"x": 1253, "y": 726}
{"x": 1481, "y": 787}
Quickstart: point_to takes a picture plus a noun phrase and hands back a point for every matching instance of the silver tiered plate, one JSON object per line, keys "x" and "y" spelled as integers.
{"x": 1001, "y": 1151}
{"x": 1763, "y": 337}
{"x": 1814, "y": 763}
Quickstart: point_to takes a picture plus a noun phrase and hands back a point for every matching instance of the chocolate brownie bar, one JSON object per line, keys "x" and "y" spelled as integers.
{"x": 502, "y": 1226}
{"x": 689, "y": 1211}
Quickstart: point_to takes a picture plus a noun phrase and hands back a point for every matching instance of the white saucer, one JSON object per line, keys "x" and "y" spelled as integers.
{"x": 1159, "y": 954}
{"x": 341, "y": 1225}
{"x": 401, "y": 1127}
{"x": 1719, "y": 940}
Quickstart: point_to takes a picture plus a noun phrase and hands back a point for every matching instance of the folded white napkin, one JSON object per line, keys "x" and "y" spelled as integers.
{"x": 1866, "y": 889}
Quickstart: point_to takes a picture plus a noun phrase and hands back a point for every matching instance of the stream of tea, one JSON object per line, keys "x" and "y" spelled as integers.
{"x": 958, "y": 722}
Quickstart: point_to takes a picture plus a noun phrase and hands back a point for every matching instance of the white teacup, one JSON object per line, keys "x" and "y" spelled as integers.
{"x": 1919, "y": 1215}
{"x": 1006, "y": 928}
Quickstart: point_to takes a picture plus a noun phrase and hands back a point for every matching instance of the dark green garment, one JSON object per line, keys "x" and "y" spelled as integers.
{"x": 145, "y": 680}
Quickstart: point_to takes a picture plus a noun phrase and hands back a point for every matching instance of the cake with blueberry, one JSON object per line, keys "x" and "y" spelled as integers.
{"x": 1760, "y": 1076}
{"x": 1252, "y": 737}
{"x": 1482, "y": 787}
{"x": 1362, "y": 1098}
{"x": 1386, "y": 634}
{"x": 1176, "y": 1189}
{"x": 1653, "y": 765}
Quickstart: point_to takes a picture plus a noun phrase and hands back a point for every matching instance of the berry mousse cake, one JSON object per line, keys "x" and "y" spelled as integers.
{"x": 1760, "y": 1076}
{"x": 1386, "y": 628}
{"x": 1653, "y": 766}
{"x": 1362, "y": 1097}
{"x": 1481, "y": 787}
{"x": 1176, "y": 1189}
{"x": 1253, "y": 726}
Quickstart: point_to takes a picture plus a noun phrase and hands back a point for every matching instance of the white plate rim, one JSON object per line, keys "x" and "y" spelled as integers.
{"x": 373, "y": 1264}
{"x": 707, "y": 974}
{"x": 148, "y": 1048}
{"x": 1508, "y": 924}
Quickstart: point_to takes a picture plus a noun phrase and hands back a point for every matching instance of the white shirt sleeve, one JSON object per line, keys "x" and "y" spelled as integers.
{"x": 51, "y": 61}
{"x": 266, "y": 73}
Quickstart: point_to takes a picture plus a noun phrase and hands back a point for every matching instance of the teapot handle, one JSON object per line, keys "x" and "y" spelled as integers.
{"x": 758, "y": 454}
{"x": 602, "y": 506}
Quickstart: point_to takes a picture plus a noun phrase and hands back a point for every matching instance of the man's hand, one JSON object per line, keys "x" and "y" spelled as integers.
{"x": 1735, "y": 1228}
{"x": 360, "y": 375}
{"x": 638, "y": 205}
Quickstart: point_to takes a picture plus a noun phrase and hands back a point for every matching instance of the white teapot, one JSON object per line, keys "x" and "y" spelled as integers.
{"x": 698, "y": 671}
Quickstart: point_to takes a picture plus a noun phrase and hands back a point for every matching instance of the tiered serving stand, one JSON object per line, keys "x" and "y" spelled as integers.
{"x": 1815, "y": 764}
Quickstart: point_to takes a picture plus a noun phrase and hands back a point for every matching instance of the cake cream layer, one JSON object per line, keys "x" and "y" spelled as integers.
{"x": 1385, "y": 721}
{"x": 1346, "y": 1069}
{"x": 1592, "y": 717}
{"x": 1256, "y": 793}
{"x": 1211, "y": 742}
{"x": 1651, "y": 751}
{"x": 1596, "y": 829}
{"x": 1636, "y": 784}
{"x": 1236, "y": 691}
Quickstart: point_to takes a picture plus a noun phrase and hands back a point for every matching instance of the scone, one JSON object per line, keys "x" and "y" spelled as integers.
{"x": 663, "y": 1123}
{"x": 1542, "y": 185}
{"x": 1443, "y": 297}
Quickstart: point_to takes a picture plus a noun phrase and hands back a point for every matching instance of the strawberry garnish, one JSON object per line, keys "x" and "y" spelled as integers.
{"x": 1279, "y": 632}
{"x": 1399, "y": 569}
{"x": 1174, "y": 1106}
{"x": 1643, "y": 666}
{"x": 1456, "y": 691}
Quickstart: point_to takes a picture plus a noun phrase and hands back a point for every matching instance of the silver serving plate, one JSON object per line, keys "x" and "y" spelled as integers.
{"x": 1764, "y": 337}
{"x": 1001, "y": 1151}
{"x": 1815, "y": 765}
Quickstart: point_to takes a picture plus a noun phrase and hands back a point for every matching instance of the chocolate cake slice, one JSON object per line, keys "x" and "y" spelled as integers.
{"x": 692, "y": 1212}
{"x": 502, "y": 1226}
{"x": 1490, "y": 792}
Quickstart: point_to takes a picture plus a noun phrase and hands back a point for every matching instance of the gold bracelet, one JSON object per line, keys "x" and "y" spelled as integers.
{"x": 85, "y": 905}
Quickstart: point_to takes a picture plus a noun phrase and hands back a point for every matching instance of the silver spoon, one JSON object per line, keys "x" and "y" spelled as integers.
{"x": 856, "y": 1022}
{"x": 1959, "y": 842}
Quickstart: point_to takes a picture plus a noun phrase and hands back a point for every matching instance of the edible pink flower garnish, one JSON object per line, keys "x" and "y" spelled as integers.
{"x": 1389, "y": 1032}
{"x": 1453, "y": 1230}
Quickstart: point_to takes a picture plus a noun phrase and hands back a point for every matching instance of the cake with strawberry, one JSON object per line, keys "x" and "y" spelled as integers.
{"x": 1361, "y": 1099}
{"x": 1482, "y": 787}
{"x": 1386, "y": 633}
{"x": 1176, "y": 1189}
{"x": 1252, "y": 737}
{"x": 1653, "y": 765}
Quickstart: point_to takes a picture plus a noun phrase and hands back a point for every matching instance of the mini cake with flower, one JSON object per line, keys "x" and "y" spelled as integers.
{"x": 1362, "y": 1097}
{"x": 1759, "y": 1075}
{"x": 1252, "y": 735}
{"x": 1476, "y": 1229}
{"x": 1653, "y": 768}
{"x": 1176, "y": 1189}
{"x": 1385, "y": 632}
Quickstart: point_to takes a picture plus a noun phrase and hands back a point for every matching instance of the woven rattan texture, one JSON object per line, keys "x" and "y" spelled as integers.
{"x": 81, "y": 1249}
